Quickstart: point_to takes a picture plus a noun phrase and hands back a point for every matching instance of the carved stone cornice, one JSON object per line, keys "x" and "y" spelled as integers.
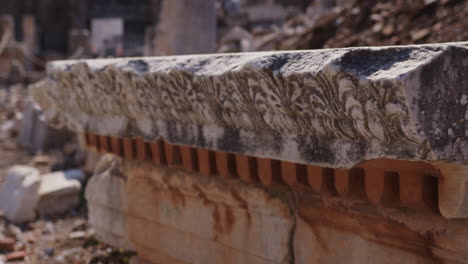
{"x": 333, "y": 107}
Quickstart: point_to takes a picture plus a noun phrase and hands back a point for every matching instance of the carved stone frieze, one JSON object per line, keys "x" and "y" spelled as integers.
{"x": 334, "y": 107}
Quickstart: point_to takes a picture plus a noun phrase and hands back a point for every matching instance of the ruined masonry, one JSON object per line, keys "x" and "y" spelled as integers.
{"x": 352, "y": 155}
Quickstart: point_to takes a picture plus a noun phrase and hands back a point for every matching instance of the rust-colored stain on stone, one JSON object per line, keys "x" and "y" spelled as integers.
{"x": 371, "y": 228}
{"x": 223, "y": 217}
{"x": 243, "y": 204}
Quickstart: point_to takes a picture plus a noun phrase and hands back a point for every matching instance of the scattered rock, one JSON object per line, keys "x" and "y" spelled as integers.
{"x": 78, "y": 235}
{"x": 18, "y": 194}
{"x": 64, "y": 255}
{"x": 7, "y": 244}
{"x": 41, "y": 160}
{"x": 59, "y": 191}
{"x": 420, "y": 34}
{"x": 337, "y": 24}
{"x": 29, "y": 237}
{"x": 49, "y": 251}
{"x": 79, "y": 225}
{"x": 14, "y": 231}
{"x": 15, "y": 256}
{"x": 35, "y": 135}
{"x": 48, "y": 228}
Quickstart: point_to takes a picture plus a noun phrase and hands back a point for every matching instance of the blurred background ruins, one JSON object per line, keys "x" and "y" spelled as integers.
{"x": 33, "y": 32}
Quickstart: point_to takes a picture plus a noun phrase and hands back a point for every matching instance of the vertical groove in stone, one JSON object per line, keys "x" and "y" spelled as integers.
{"x": 357, "y": 183}
{"x": 189, "y": 158}
{"x": 314, "y": 177}
{"x": 225, "y": 164}
{"x": 375, "y": 185}
{"x": 269, "y": 171}
{"x": 418, "y": 190}
{"x": 293, "y": 173}
{"x": 148, "y": 151}
{"x": 321, "y": 180}
{"x": 87, "y": 140}
{"x": 431, "y": 193}
{"x": 206, "y": 161}
{"x": 328, "y": 181}
{"x": 128, "y": 149}
{"x": 387, "y": 183}
{"x": 391, "y": 194}
{"x": 288, "y": 172}
{"x": 342, "y": 182}
{"x": 141, "y": 149}
{"x": 301, "y": 174}
{"x": 93, "y": 141}
{"x": 104, "y": 143}
{"x": 246, "y": 168}
{"x": 158, "y": 153}
{"x": 116, "y": 146}
{"x": 172, "y": 155}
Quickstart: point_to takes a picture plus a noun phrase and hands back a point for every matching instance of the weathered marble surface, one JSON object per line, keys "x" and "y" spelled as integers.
{"x": 179, "y": 217}
{"x": 106, "y": 197}
{"x": 334, "y": 107}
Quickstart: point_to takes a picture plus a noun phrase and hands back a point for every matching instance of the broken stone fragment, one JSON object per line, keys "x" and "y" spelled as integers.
{"x": 7, "y": 243}
{"x": 19, "y": 193}
{"x": 107, "y": 203}
{"x": 332, "y": 107}
{"x": 59, "y": 192}
{"x": 35, "y": 135}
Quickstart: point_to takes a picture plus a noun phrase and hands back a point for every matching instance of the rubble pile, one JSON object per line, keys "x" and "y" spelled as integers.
{"x": 354, "y": 23}
{"x": 66, "y": 240}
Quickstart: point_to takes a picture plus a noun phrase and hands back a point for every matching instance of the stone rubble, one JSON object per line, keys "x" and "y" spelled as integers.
{"x": 348, "y": 23}
{"x": 19, "y": 193}
{"x": 25, "y": 192}
{"x": 59, "y": 192}
{"x": 37, "y": 136}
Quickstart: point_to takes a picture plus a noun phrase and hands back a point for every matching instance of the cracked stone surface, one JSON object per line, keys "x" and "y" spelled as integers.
{"x": 332, "y": 107}
{"x": 174, "y": 216}
{"x": 178, "y": 217}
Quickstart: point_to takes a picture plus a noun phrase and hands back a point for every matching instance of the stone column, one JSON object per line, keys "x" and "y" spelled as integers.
{"x": 28, "y": 26}
{"x": 7, "y": 26}
{"x": 29, "y": 32}
{"x": 186, "y": 27}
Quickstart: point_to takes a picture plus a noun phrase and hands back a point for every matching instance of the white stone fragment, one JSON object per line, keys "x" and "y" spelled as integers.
{"x": 19, "y": 193}
{"x": 59, "y": 191}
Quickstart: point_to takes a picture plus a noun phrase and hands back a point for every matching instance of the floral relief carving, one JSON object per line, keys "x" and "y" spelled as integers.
{"x": 332, "y": 105}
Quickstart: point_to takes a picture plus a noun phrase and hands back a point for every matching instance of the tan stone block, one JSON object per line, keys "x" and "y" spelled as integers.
{"x": 204, "y": 219}
{"x": 315, "y": 243}
{"x": 107, "y": 203}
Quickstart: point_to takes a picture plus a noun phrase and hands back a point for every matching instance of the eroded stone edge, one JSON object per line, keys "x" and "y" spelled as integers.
{"x": 339, "y": 151}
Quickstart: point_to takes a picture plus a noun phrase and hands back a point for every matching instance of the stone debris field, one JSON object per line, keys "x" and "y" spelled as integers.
{"x": 233, "y": 131}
